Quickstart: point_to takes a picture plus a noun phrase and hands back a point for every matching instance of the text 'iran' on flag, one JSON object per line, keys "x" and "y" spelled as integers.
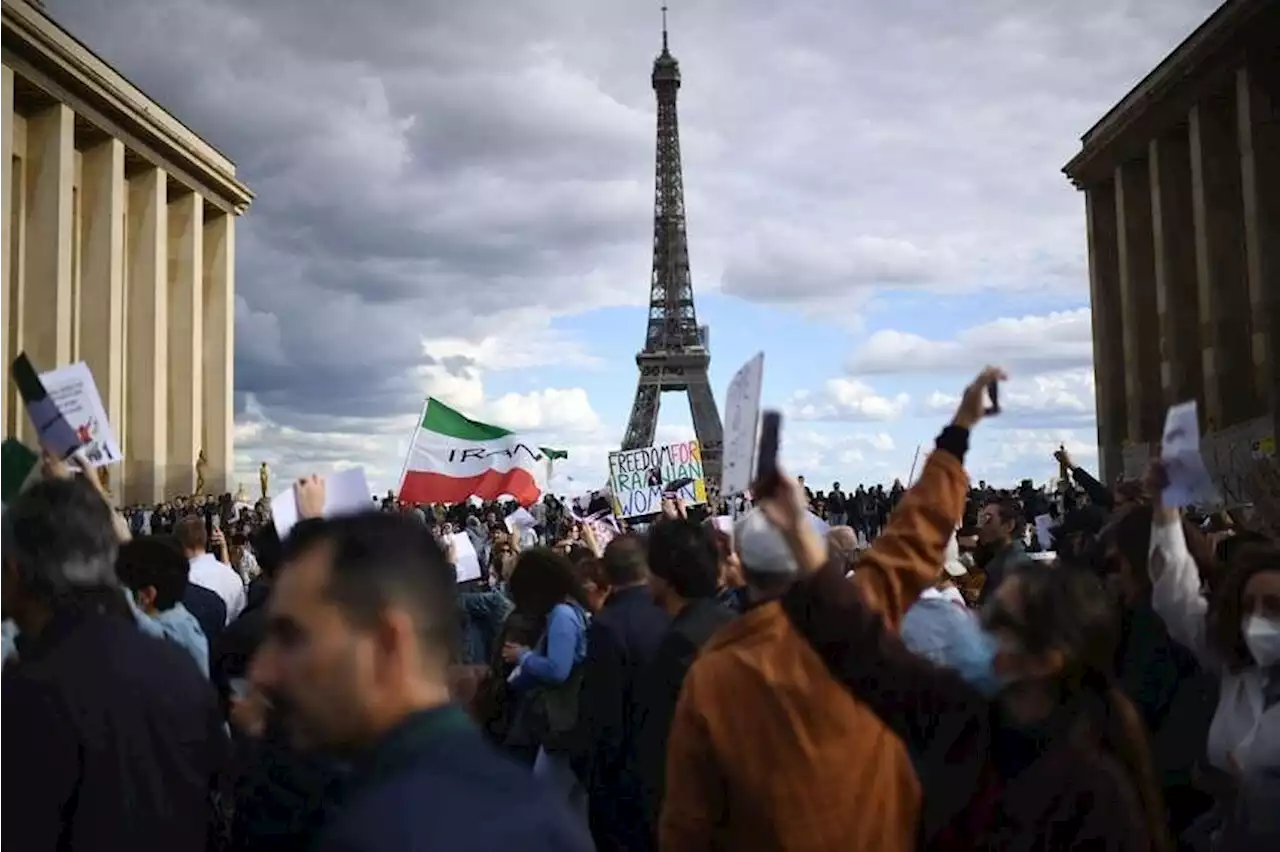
{"x": 453, "y": 457}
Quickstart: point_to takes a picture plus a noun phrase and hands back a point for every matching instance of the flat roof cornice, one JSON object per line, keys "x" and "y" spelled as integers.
{"x": 1169, "y": 86}
{"x": 53, "y": 59}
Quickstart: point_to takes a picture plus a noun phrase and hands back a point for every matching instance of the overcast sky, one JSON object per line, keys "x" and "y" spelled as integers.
{"x": 455, "y": 199}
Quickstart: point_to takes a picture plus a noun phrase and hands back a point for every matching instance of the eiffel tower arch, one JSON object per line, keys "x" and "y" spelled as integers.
{"x": 676, "y": 354}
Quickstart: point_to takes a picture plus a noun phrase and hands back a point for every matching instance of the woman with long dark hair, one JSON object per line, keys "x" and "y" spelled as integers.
{"x": 547, "y": 677}
{"x": 1058, "y": 760}
{"x": 1235, "y": 633}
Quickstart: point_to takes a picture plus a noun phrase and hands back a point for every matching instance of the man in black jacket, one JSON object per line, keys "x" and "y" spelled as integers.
{"x": 112, "y": 738}
{"x": 684, "y": 570}
{"x": 621, "y": 641}
{"x": 360, "y": 631}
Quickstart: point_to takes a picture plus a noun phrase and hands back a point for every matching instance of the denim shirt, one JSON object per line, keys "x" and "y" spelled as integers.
{"x": 482, "y": 615}
{"x": 945, "y": 632}
{"x": 177, "y": 625}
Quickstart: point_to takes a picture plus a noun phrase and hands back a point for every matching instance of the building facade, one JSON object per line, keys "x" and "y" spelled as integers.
{"x": 119, "y": 251}
{"x": 1182, "y": 192}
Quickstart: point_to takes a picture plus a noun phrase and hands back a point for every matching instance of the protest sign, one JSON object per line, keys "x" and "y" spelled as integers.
{"x": 76, "y": 395}
{"x": 638, "y": 478}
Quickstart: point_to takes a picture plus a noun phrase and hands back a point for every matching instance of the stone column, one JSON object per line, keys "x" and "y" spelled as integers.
{"x": 46, "y": 309}
{"x": 1258, "y": 113}
{"x": 102, "y": 198}
{"x": 1143, "y": 402}
{"x": 1108, "y": 327}
{"x": 146, "y": 388}
{"x": 1226, "y": 327}
{"x": 186, "y": 342}
{"x": 219, "y": 350}
{"x": 1181, "y": 371}
{"x": 6, "y": 215}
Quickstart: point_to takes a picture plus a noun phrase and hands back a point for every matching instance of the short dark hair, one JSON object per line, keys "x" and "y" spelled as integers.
{"x": 683, "y": 554}
{"x": 61, "y": 538}
{"x": 587, "y": 567}
{"x": 190, "y": 532}
{"x": 156, "y": 561}
{"x": 379, "y": 560}
{"x": 1010, "y": 512}
{"x": 625, "y": 561}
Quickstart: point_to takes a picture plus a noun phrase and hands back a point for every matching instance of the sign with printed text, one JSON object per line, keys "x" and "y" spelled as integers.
{"x": 74, "y": 391}
{"x": 639, "y": 478}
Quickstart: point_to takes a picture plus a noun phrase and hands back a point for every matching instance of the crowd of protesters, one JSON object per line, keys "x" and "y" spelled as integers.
{"x": 916, "y": 669}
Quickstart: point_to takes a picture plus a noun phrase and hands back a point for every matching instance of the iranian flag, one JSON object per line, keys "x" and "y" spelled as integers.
{"x": 452, "y": 457}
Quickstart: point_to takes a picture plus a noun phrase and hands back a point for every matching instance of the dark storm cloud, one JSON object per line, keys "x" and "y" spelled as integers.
{"x": 422, "y": 169}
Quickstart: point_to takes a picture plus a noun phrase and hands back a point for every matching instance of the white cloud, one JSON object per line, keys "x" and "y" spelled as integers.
{"x": 1016, "y": 454}
{"x": 1057, "y": 398}
{"x": 846, "y": 400}
{"x": 1019, "y": 344}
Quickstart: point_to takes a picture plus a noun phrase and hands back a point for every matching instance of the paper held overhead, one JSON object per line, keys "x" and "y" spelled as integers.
{"x": 1188, "y": 479}
{"x": 346, "y": 492}
{"x": 76, "y": 394}
{"x": 741, "y": 424}
{"x": 53, "y": 431}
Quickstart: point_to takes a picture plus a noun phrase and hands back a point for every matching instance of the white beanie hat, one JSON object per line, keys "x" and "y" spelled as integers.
{"x": 761, "y": 548}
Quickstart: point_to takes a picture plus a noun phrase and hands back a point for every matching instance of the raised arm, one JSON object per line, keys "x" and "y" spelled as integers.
{"x": 906, "y": 556}
{"x": 942, "y": 720}
{"x": 1175, "y": 578}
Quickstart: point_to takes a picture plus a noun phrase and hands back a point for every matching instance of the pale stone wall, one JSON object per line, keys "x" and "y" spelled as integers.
{"x": 118, "y": 250}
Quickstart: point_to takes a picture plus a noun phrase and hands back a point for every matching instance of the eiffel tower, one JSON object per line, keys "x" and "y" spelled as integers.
{"x": 675, "y": 355}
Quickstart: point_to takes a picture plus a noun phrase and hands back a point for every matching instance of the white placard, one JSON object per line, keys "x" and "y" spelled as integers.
{"x": 74, "y": 391}
{"x": 741, "y": 425}
{"x": 521, "y": 519}
{"x": 346, "y": 492}
{"x": 1043, "y": 524}
{"x": 1189, "y": 482}
{"x": 465, "y": 559}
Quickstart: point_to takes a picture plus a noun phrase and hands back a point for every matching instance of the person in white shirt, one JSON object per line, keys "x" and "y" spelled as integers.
{"x": 211, "y": 572}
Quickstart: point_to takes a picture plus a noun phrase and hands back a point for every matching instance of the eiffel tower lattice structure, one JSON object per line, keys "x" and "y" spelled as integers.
{"x": 675, "y": 355}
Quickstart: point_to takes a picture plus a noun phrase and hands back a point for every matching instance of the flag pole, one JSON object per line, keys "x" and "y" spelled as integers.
{"x": 910, "y": 476}
{"x": 404, "y": 469}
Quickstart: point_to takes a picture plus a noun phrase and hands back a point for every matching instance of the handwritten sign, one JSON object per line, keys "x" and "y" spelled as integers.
{"x": 638, "y": 478}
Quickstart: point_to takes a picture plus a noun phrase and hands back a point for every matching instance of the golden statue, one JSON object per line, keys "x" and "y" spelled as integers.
{"x": 202, "y": 467}
{"x": 242, "y": 496}
{"x": 264, "y": 479}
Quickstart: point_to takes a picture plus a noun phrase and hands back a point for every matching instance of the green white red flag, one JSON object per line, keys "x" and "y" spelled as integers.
{"x": 453, "y": 457}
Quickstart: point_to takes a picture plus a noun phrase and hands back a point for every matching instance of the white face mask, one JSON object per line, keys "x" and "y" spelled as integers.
{"x": 1262, "y": 637}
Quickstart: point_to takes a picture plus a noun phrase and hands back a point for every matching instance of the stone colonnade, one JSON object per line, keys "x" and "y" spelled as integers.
{"x": 1184, "y": 259}
{"x": 110, "y": 260}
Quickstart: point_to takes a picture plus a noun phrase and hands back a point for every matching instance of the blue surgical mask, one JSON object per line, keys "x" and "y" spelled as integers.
{"x": 976, "y": 663}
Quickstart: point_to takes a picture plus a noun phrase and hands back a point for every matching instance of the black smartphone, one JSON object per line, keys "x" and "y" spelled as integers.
{"x": 767, "y": 460}
{"x": 994, "y": 393}
{"x": 673, "y": 488}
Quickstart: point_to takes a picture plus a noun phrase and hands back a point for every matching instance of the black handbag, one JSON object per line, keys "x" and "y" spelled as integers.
{"x": 546, "y": 715}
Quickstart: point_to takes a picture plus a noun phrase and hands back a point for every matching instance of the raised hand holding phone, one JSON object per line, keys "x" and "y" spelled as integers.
{"x": 767, "y": 454}
{"x": 973, "y": 403}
